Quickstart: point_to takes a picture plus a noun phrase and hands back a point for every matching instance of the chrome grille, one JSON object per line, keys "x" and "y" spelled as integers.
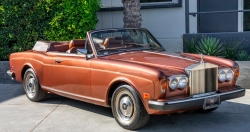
{"x": 203, "y": 78}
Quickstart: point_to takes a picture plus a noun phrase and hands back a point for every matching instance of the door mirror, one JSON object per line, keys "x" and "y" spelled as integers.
{"x": 82, "y": 51}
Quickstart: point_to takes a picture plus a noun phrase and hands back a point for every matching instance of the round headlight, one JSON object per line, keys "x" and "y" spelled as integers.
{"x": 222, "y": 76}
{"x": 173, "y": 83}
{"x": 182, "y": 82}
{"x": 229, "y": 75}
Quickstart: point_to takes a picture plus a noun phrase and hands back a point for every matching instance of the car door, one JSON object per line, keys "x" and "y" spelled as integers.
{"x": 71, "y": 75}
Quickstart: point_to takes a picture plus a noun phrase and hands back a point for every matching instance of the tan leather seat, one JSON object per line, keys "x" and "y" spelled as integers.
{"x": 76, "y": 44}
{"x": 110, "y": 42}
{"x": 61, "y": 47}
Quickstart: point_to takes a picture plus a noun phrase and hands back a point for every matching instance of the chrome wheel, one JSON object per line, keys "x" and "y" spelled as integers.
{"x": 128, "y": 109}
{"x": 30, "y": 85}
{"x": 124, "y": 106}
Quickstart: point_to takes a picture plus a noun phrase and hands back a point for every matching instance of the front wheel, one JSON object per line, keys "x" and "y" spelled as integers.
{"x": 128, "y": 109}
{"x": 32, "y": 87}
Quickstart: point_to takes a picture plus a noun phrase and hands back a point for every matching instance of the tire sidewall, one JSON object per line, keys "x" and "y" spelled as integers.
{"x": 137, "y": 107}
{"x": 37, "y": 87}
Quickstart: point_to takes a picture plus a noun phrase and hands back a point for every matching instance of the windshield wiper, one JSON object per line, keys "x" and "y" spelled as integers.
{"x": 142, "y": 47}
{"x": 110, "y": 49}
{"x": 106, "y": 51}
{"x": 153, "y": 48}
{"x": 137, "y": 45}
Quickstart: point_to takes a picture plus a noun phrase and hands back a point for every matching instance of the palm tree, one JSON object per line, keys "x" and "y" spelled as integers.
{"x": 131, "y": 12}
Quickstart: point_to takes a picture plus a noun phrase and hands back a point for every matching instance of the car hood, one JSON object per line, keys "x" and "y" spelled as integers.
{"x": 173, "y": 62}
{"x": 170, "y": 63}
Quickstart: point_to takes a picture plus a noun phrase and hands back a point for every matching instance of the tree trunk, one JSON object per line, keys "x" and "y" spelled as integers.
{"x": 131, "y": 12}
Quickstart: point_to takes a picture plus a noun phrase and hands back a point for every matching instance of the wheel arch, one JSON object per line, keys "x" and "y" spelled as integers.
{"x": 114, "y": 85}
{"x": 25, "y": 68}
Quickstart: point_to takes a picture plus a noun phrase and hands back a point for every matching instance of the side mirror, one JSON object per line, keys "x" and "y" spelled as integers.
{"x": 81, "y": 51}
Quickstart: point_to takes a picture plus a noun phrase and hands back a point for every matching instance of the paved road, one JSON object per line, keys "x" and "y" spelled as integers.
{"x": 57, "y": 113}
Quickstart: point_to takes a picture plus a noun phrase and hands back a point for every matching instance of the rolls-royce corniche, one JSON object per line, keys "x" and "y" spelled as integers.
{"x": 128, "y": 70}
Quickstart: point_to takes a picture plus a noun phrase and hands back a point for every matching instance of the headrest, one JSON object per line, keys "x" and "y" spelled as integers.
{"x": 108, "y": 40}
{"x": 77, "y": 43}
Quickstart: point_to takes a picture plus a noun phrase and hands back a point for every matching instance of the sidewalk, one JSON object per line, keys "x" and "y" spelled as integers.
{"x": 57, "y": 113}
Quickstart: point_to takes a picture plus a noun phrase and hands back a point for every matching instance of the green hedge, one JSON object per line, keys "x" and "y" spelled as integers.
{"x": 23, "y": 22}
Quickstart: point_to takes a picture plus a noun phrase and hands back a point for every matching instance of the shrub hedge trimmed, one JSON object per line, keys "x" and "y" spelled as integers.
{"x": 23, "y": 22}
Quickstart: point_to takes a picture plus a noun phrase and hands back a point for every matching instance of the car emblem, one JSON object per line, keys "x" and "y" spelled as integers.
{"x": 201, "y": 58}
{"x": 211, "y": 101}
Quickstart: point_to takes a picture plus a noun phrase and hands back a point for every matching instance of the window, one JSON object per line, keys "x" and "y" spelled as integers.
{"x": 88, "y": 47}
{"x": 150, "y": 1}
{"x": 246, "y": 15}
{"x": 116, "y": 5}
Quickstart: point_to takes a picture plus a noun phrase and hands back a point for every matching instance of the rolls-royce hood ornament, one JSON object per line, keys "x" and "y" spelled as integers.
{"x": 202, "y": 61}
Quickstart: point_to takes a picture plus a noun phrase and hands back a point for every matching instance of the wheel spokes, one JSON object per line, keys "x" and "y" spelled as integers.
{"x": 30, "y": 85}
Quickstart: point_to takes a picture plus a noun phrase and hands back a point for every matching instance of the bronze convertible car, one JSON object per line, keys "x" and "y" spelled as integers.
{"x": 127, "y": 70}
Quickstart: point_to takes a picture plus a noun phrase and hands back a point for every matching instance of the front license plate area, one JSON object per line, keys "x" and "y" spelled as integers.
{"x": 211, "y": 102}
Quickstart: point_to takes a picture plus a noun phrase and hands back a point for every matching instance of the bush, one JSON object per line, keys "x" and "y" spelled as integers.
{"x": 72, "y": 19}
{"x": 243, "y": 56}
{"x": 232, "y": 47}
{"x": 23, "y": 22}
{"x": 190, "y": 44}
{"x": 210, "y": 46}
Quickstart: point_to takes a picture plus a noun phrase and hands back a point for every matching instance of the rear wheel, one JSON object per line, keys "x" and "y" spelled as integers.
{"x": 128, "y": 109}
{"x": 32, "y": 87}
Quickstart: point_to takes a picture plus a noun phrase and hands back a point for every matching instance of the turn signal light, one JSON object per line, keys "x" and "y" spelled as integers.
{"x": 146, "y": 96}
{"x": 237, "y": 73}
{"x": 164, "y": 86}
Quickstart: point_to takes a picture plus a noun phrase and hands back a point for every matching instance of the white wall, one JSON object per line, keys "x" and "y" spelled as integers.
{"x": 192, "y": 19}
{"x": 166, "y": 24}
{"x": 240, "y": 16}
{"x": 111, "y": 3}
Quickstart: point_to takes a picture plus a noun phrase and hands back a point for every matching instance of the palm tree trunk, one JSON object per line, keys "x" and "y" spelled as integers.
{"x": 131, "y": 12}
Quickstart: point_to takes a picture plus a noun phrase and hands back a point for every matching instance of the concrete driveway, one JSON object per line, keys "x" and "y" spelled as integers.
{"x": 57, "y": 113}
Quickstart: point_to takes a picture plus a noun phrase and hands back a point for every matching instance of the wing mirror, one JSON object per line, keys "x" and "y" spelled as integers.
{"x": 84, "y": 52}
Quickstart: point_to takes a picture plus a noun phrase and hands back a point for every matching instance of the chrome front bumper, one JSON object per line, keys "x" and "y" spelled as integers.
{"x": 11, "y": 74}
{"x": 193, "y": 102}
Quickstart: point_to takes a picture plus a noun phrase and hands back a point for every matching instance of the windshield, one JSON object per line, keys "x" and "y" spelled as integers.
{"x": 113, "y": 41}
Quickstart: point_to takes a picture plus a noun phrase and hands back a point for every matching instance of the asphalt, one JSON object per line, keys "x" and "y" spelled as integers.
{"x": 57, "y": 113}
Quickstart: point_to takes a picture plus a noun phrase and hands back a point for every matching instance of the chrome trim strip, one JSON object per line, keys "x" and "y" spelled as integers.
{"x": 71, "y": 94}
{"x": 201, "y": 95}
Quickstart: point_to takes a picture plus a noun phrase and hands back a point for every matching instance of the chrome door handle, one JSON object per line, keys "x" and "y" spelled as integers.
{"x": 58, "y": 61}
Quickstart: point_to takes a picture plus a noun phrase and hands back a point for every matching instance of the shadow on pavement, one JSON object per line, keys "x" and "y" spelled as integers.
{"x": 79, "y": 104}
{"x": 228, "y": 117}
{"x": 8, "y": 91}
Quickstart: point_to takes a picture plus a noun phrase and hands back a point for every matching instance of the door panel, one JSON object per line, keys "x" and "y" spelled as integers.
{"x": 72, "y": 75}
{"x": 47, "y": 72}
{"x": 217, "y": 22}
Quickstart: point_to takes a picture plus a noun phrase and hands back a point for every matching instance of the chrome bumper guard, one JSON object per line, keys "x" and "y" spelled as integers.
{"x": 11, "y": 74}
{"x": 194, "y": 101}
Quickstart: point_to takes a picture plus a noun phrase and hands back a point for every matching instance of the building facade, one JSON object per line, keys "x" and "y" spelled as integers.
{"x": 169, "y": 20}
